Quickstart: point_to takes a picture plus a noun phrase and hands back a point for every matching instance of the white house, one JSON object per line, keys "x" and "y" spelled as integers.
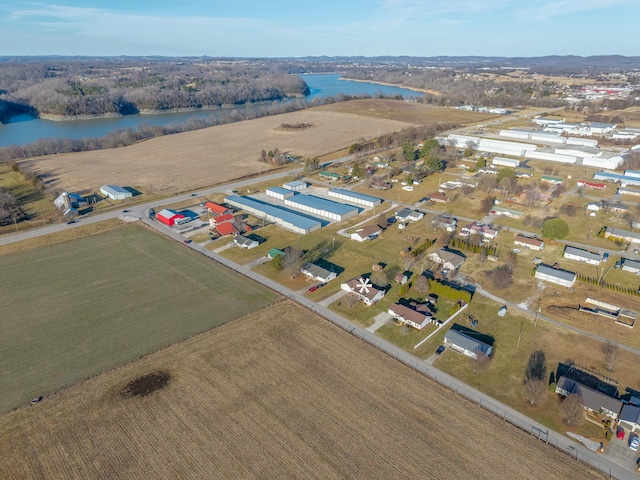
{"x": 363, "y": 289}
{"x": 366, "y": 233}
{"x": 315, "y": 272}
{"x": 408, "y": 215}
{"x": 245, "y": 242}
{"x": 465, "y": 344}
{"x": 580, "y": 255}
{"x": 528, "y": 242}
{"x": 487, "y": 233}
{"x": 555, "y": 275}
{"x": 632, "y": 266}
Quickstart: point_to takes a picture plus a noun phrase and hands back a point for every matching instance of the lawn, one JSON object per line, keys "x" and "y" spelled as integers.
{"x": 75, "y": 309}
{"x": 515, "y": 338}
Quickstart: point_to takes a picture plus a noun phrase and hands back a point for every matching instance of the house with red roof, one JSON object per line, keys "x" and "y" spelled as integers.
{"x": 217, "y": 209}
{"x": 226, "y": 228}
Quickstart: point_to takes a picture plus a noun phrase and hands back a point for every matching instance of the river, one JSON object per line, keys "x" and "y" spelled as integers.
{"x": 24, "y": 129}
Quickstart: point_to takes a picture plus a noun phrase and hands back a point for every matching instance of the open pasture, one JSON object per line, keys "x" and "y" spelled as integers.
{"x": 75, "y": 309}
{"x": 218, "y": 154}
{"x": 278, "y": 394}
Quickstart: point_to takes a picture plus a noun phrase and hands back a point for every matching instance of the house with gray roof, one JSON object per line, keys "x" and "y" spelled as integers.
{"x": 632, "y": 266}
{"x": 555, "y": 275}
{"x": 622, "y": 235}
{"x": 592, "y": 399}
{"x": 465, "y": 344}
{"x": 316, "y": 272}
{"x": 630, "y": 418}
{"x": 581, "y": 255}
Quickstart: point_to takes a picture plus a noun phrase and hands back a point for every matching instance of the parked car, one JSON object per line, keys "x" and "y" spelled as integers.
{"x": 618, "y": 264}
{"x": 620, "y": 433}
{"x": 36, "y": 400}
{"x": 605, "y": 257}
{"x": 126, "y": 211}
{"x": 440, "y": 349}
{"x": 187, "y": 241}
{"x": 70, "y": 222}
{"x": 313, "y": 288}
{"x": 408, "y": 188}
{"x": 634, "y": 442}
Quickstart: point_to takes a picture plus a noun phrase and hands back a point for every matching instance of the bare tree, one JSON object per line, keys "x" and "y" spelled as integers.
{"x": 422, "y": 284}
{"x": 405, "y": 330}
{"x": 488, "y": 182}
{"x": 480, "y": 363}
{"x": 532, "y": 195}
{"x": 501, "y": 276}
{"x": 482, "y": 256}
{"x": 379, "y": 278}
{"x": 390, "y": 323}
{"x": 573, "y": 409}
{"x": 535, "y": 390}
{"x": 610, "y": 352}
{"x": 350, "y": 300}
{"x": 293, "y": 261}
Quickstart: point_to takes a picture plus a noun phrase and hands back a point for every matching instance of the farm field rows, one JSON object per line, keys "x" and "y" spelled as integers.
{"x": 77, "y": 308}
{"x": 277, "y": 394}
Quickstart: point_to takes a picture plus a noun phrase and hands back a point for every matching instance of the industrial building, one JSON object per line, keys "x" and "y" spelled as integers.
{"x": 489, "y": 145}
{"x": 114, "y": 192}
{"x": 551, "y": 157}
{"x": 320, "y": 206}
{"x": 505, "y": 162}
{"x": 171, "y": 217}
{"x": 280, "y": 193}
{"x": 288, "y": 220}
{"x": 354, "y": 197}
{"x": 624, "y": 180}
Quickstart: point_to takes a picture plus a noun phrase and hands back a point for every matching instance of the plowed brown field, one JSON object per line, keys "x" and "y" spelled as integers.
{"x": 278, "y": 394}
{"x": 217, "y": 154}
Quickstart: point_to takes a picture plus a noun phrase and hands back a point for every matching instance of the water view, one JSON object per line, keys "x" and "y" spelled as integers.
{"x": 24, "y": 129}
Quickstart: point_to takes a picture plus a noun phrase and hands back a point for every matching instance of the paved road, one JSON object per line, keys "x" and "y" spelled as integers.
{"x": 523, "y": 422}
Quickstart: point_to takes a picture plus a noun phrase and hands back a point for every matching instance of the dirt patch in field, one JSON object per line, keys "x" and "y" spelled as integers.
{"x": 146, "y": 384}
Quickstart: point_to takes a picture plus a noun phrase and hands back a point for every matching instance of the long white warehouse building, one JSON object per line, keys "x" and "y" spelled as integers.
{"x": 354, "y": 197}
{"x": 490, "y": 145}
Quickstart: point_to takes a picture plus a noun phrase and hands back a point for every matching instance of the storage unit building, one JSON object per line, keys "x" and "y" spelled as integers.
{"x": 354, "y": 197}
{"x": 288, "y": 220}
{"x": 114, "y": 192}
{"x": 296, "y": 185}
{"x": 320, "y": 206}
{"x": 280, "y": 193}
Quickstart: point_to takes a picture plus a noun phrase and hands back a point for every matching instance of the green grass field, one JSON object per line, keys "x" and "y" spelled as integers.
{"x": 76, "y": 309}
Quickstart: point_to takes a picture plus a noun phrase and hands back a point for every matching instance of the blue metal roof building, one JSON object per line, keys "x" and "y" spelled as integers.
{"x": 288, "y": 220}
{"x": 320, "y": 206}
{"x": 354, "y": 197}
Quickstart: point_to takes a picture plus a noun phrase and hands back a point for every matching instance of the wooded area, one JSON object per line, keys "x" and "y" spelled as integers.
{"x": 74, "y": 87}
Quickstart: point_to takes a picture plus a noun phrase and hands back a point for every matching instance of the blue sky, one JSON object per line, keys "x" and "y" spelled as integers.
{"x": 279, "y": 28}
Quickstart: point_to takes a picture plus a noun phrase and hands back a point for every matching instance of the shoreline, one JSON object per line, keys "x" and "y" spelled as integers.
{"x": 414, "y": 89}
{"x": 65, "y": 118}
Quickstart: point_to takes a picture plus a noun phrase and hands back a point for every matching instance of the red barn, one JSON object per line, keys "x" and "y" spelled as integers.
{"x": 169, "y": 217}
